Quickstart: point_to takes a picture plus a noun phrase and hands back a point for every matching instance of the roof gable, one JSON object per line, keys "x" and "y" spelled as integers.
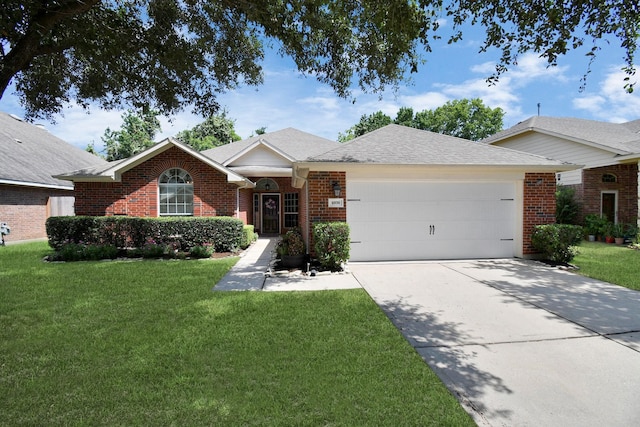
{"x": 402, "y": 145}
{"x": 292, "y": 144}
{"x": 618, "y": 138}
{"x": 113, "y": 171}
{"x": 31, "y": 155}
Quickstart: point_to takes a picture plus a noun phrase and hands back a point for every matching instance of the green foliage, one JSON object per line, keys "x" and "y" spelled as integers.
{"x": 131, "y": 232}
{"x": 611, "y": 263}
{"x": 464, "y": 118}
{"x": 136, "y": 134}
{"x": 215, "y": 131}
{"x": 367, "y": 123}
{"x": 567, "y": 207}
{"x": 331, "y": 243}
{"x": 292, "y": 243}
{"x": 595, "y": 224}
{"x": 84, "y": 252}
{"x": 202, "y": 251}
{"x": 557, "y": 242}
{"x": 172, "y": 54}
{"x": 248, "y": 236}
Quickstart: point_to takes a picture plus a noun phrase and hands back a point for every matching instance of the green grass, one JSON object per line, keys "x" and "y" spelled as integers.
{"x": 148, "y": 343}
{"x": 611, "y": 263}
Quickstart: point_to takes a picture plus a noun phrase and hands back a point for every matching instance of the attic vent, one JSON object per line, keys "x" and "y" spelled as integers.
{"x": 609, "y": 177}
{"x": 15, "y": 117}
{"x": 18, "y": 141}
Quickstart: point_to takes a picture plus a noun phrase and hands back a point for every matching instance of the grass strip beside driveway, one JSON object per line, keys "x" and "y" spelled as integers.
{"x": 610, "y": 263}
{"x": 148, "y": 343}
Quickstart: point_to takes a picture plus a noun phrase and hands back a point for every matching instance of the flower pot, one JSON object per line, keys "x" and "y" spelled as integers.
{"x": 592, "y": 238}
{"x": 619, "y": 240}
{"x": 609, "y": 239}
{"x": 292, "y": 261}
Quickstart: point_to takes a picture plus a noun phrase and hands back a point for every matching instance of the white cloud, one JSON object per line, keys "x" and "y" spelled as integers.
{"x": 610, "y": 102}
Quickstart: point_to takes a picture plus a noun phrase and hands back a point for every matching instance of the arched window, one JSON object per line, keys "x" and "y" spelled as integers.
{"x": 176, "y": 193}
{"x": 609, "y": 177}
{"x": 266, "y": 184}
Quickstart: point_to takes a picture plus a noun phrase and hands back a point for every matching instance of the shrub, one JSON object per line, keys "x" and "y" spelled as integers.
{"x": 248, "y": 236}
{"x": 292, "y": 243}
{"x": 152, "y": 249}
{"x": 331, "y": 243}
{"x": 132, "y": 232}
{"x": 557, "y": 242}
{"x": 82, "y": 252}
{"x": 202, "y": 251}
{"x": 566, "y": 205}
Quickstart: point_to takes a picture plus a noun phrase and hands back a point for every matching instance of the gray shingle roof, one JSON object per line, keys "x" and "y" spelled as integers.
{"x": 295, "y": 143}
{"x": 395, "y": 144}
{"x": 620, "y": 137}
{"x": 31, "y": 155}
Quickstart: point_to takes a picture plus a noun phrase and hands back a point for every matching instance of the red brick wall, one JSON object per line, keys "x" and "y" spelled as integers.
{"x": 137, "y": 194}
{"x": 626, "y": 185}
{"x": 25, "y": 210}
{"x": 320, "y": 189}
{"x": 539, "y": 205}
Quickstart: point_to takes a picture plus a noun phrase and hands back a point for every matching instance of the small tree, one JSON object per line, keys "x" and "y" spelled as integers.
{"x": 331, "y": 243}
{"x": 567, "y": 207}
{"x": 135, "y": 135}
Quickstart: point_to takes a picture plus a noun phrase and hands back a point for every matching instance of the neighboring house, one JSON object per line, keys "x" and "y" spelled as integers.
{"x": 406, "y": 193}
{"x": 29, "y": 156}
{"x": 609, "y": 152}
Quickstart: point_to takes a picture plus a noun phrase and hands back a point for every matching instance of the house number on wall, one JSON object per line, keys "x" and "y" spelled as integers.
{"x": 336, "y": 203}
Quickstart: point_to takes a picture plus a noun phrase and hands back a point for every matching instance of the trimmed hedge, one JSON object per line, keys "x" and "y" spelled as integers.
{"x": 331, "y": 243}
{"x": 248, "y": 236}
{"x": 184, "y": 233}
{"x": 557, "y": 242}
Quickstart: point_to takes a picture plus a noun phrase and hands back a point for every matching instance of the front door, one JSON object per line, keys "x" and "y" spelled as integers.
{"x": 609, "y": 206}
{"x": 270, "y": 213}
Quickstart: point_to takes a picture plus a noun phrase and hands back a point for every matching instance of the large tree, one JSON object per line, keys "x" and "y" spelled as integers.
{"x": 171, "y": 53}
{"x": 137, "y": 133}
{"x": 463, "y": 118}
{"x": 215, "y": 131}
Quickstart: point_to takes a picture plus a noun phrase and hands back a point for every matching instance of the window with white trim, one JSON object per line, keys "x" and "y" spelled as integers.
{"x": 176, "y": 193}
{"x": 290, "y": 210}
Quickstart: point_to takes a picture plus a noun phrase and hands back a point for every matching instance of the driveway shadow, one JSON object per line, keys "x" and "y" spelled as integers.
{"x": 595, "y": 305}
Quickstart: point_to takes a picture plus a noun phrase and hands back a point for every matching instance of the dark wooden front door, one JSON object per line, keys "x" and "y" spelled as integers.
{"x": 609, "y": 206}
{"x": 270, "y": 213}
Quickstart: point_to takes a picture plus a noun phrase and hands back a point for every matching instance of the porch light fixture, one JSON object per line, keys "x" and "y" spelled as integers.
{"x": 336, "y": 189}
{"x": 267, "y": 187}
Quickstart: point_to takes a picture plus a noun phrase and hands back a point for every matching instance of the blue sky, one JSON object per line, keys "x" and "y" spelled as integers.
{"x": 288, "y": 99}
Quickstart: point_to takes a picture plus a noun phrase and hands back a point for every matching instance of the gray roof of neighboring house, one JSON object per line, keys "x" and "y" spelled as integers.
{"x": 402, "y": 145}
{"x": 30, "y": 155}
{"x": 295, "y": 143}
{"x": 621, "y": 137}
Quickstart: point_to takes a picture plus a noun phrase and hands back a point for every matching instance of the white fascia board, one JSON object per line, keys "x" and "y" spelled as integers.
{"x": 251, "y": 147}
{"x": 35, "y": 184}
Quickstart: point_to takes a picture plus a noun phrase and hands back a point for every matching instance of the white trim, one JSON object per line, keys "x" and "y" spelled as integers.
{"x": 615, "y": 204}
{"x": 35, "y": 184}
{"x": 252, "y": 147}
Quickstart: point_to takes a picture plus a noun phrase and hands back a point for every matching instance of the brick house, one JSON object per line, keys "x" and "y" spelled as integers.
{"x": 406, "y": 193}
{"x": 28, "y": 192}
{"x": 607, "y": 183}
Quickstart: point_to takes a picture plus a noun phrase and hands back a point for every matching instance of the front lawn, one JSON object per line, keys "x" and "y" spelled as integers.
{"x": 611, "y": 263}
{"x": 148, "y": 343}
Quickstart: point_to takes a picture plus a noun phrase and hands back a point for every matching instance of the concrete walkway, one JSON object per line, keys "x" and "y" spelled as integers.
{"x": 517, "y": 342}
{"x": 252, "y": 273}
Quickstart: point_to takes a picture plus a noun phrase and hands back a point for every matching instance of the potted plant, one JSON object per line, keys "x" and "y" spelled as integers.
{"x": 592, "y": 225}
{"x": 618, "y": 231}
{"x": 607, "y": 232}
{"x": 291, "y": 249}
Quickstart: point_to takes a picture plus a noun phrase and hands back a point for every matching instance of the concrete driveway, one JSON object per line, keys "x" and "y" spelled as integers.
{"x": 517, "y": 342}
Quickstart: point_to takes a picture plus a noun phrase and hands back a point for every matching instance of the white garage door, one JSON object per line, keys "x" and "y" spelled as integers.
{"x": 428, "y": 220}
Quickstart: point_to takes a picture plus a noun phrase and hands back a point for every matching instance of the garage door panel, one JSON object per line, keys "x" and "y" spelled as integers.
{"x": 428, "y": 220}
